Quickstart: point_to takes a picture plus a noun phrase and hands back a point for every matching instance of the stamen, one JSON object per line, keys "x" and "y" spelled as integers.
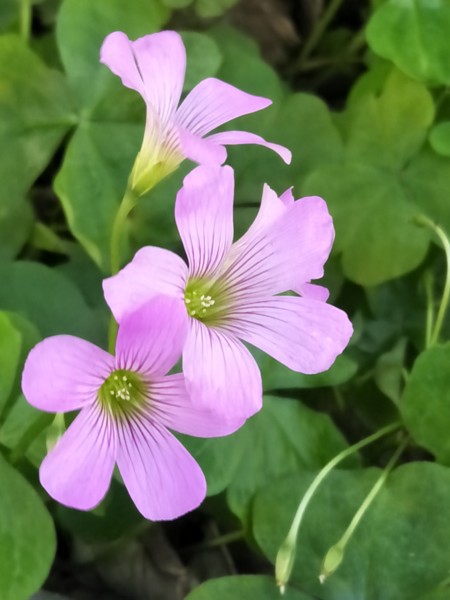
{"x": 122, "y": 393}
{"x": 198, "y": 303}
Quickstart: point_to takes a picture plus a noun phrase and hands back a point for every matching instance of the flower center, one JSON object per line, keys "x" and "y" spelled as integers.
{"x": 122, "y": 392}
{"x": 198, "y": 304}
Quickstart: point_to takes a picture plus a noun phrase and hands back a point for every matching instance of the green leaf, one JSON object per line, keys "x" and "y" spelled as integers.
{"x": 425, "y": 404}
{"x": 35, "y": 113}
{"x": 17, "y": 337}
{"x": 373, "y": 216}
{"x": 92, "y": 181}
{"x": 176, "y": 3}
{"x": 284, "y": 437}
{"x": 213, "y": 8}
{"x": 10, "y": 352}
{"x": 388, "y": 129}
{"x": 27, "y": 537}
{"x": 203, "y": 57}
{"x": 81, "y": 28}
{"x": 243, "y": 66}
{"x": 242, "y": 587}
{"x": 50, "y": 301}
{"x": 278, "y": 377}
{"x": 9, "y": 13}
{"x": 114, "y": 518}
{"x": 389, "y": 371}
{"x": 371, "y": 191}
{"x": 440, "y": 138}
{"x": 413, "y": 34}
{"x": 20, "y": 419}
{"x": 101, "y": 153}
{"x": 399, "y": 550}
{"x": 256, "y": 166}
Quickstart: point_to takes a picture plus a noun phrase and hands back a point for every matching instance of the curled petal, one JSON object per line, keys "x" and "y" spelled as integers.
{"x": 271, "y": 209}
{"x": 150, "y": 339}
{"x": 162, "y": 478}
{"x": 152, "y": 272}
{"x": 173, "y": 407}
{"x": 77, "y": 472}
{"x": 221, "y": 374}
{"x": 231, "y": 138}
{"x": 305, "y": 335}
{"x": 153, "y": 65}
{"x": 212, "y": 103}
{"x": 64, "y": 373}
{"x": 204, "y": 216}
{"x": 284, "y": 254}
{"x": 201, "y": 150}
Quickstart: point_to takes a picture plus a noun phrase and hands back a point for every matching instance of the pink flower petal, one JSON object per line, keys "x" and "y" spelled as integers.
{"x": 200, "y": 150}
{"x": 150, "y": 340}
{"x": 64, "y": 373}
{"x": 231, "y": 138}
{"x": 77, "y": 472}
{"x": 287, "y": 197}
{"x": 153, "y": 65}
{"x": 117, "y": 54}
{"x": 204, "y": 216}
{"x": 162, "y": 478}
{"x": 172, "y": 406}
{"x": 271, "y": 209}
{"x": 221, "y": 373}
{"x": 212, "y": 103}
{"x": 153, "y": 271}
{"x": 305, "y": 335}
{"x": 283, "y": 255}
{"x": 313, "y": 291}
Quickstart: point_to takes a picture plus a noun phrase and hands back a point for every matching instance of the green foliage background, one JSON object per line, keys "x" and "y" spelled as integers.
{"x": 69, "y": 134}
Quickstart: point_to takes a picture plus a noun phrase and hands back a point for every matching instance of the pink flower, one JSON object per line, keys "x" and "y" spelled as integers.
{"x": 231, "y": 290}
{"x": 127, "y": 403}
{"x": 155, "y": 66}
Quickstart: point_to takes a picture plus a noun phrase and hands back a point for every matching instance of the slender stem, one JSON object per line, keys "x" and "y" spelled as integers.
{"x": 336, "y": 552}
{"x": 372, "y": 494}
{"x": 318, "y": 30}
{"x": 127, "y": 204}
{"x": 25, "y": 20}
{"x": 357, "y": 42}
{"x": 221, "y": 540}
{"x": 425, "y": 221}
{"x": 286, "y": 553}
{"x": 428, "y": 281}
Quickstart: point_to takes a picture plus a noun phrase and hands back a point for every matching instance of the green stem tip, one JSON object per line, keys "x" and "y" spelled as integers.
{"x": 286, "y": 554}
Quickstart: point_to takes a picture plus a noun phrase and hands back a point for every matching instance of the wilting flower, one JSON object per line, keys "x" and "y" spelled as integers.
{"x": 231, "y": 290}
{"x": 127, "y": 403}
{"x": 155, "y": 66}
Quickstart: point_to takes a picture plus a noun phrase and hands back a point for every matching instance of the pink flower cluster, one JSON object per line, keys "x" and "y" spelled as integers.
{"x": 227, "y": 294}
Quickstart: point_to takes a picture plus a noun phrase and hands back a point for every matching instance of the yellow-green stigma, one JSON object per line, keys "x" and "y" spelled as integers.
{"x": 122, "y": 392}
{"x": 199, "y": 303}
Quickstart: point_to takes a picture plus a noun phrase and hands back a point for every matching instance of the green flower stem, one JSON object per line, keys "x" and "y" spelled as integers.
{"x": 25, "y": 20}
{"x": 335, "y": 554}
{"x": 286, "y": 553}
{"x": 126, "y": 206}
{"x": 428, "y": 281}
{"x": 426, "y": 222}
{"x": 318, "y": 30}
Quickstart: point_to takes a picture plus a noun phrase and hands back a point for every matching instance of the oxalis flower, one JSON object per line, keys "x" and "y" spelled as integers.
{"x": 155, "y": 66}
{"x": 230, "y": 291}
{"x": 127, "y": 403}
